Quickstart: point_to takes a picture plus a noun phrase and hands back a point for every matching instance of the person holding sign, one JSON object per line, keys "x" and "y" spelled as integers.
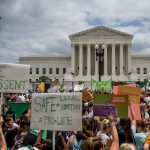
{"x": 108, "y": 133}
{"x": 87, "y": 141}
{"x": 140, "y": 127}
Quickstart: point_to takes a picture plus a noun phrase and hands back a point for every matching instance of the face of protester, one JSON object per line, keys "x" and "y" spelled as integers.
{"x": 10, "y": 123}
{"x": 139, "y": 129}
{"x": 108, "y": 129}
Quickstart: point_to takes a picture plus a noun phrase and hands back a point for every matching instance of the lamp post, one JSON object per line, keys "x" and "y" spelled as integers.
{"x": 99, "y": 56}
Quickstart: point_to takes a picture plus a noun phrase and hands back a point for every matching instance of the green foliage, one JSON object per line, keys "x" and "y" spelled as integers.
{"x": 43, "y": 78}
{"x": 80, "y": 82}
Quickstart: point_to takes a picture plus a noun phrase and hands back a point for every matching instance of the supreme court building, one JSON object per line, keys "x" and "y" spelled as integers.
{"x": 117, "y": 62}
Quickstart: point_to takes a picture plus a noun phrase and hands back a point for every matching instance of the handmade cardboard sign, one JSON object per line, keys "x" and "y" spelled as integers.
{"x": 103, "y": 110}
{"x": 133, "y": 93}
{"x": 57, "y": 111}
{"x": 14, "y": 78}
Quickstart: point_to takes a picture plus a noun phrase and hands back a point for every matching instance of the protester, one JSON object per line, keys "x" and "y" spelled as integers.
{"x": 127, "y": 146}
{"x": 97, "y": 134}
{"x": 124, "y": 131}
{"x": 3, "y": 145}
{"x": 22, "y": 132}
{"x": 140, "y": 127}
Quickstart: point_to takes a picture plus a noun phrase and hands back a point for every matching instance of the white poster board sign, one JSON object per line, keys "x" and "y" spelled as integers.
{"x": 79, "y": 87}
{"x": 57, "y": 111}
{"x": 14, "y": 78}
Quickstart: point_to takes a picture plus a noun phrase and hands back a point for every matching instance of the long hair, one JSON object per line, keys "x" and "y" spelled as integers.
{"x": 126, "y": 132}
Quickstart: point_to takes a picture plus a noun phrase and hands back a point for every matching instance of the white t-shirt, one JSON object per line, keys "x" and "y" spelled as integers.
{"x": 103, "y": 137}
{"x": 27, "y": 148}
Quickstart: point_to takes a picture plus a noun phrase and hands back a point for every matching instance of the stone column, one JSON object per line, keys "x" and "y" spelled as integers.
{"x": 113, "y": 60}
{"x": 121, "y": 59}
{"x": 89, "y": 59}
{"x": 73, "y": 58}
{"x": 96, "y": 65}
{"x": 81, "y": 60}
{"x": 129, "y": 58}
{"x": 105, "y": 61}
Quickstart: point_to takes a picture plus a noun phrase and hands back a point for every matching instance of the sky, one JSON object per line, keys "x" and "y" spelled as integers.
{"x": 41, "y": 27}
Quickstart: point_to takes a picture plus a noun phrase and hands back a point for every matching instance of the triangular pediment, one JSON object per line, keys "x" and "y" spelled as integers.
{"x": 100, "y": 31}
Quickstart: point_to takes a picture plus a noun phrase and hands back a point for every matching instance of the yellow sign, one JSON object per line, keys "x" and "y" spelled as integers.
{"x": 41, "y": 87}
{"x": 134, "y": 93}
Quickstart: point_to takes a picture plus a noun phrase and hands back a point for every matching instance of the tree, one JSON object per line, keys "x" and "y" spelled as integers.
{"x": 43, "y": 78}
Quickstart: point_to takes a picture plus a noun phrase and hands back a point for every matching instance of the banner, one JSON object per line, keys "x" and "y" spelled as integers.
{"x": 57, "y": 111}
{"x": 14, "y": 78}
{"x": 101, "y": 85}
{"x": 18, "y": 108}
{"x": 119, "y": 101}
{"x": 134, "y": 93}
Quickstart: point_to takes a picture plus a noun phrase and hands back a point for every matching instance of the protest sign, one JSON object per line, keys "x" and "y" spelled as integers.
{"x": 103, "y": 110}
{"x": 78, "y": 87}
{"x": 41, "y": 87}
{"x": 115, "y": 88}
{"x": 86, "y": 96}
{"x": 119, "y": 101}
{"x": 137, "y": 112}
{"x": 131, "y": 85}
{"x": 134, "y": 93}
{"x": 101, "y": 85}
{"x": 14, "y": 78}
{"x": 57, "y": 111}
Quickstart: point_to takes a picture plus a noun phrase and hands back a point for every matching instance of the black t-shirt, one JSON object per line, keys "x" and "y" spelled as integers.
{"x": 10, "y": 135}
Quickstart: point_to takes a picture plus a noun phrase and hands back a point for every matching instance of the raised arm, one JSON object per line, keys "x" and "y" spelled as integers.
{"x": 3, "y": 145}
{"x": 28, "y": 114}
{"x": 59, "y": 134}
{"x": 132, "y": 114}
{"x": 115, "y": 139}
{"x": 38, "y": 140}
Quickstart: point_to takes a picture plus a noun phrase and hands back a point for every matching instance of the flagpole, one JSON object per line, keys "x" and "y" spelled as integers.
{"x": 53, "y": 140}
{"x": 91, "y": 83}
{"x": 1, "y": 102}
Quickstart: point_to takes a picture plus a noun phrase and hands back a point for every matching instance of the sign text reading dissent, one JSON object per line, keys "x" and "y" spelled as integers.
{"x": 14, "y": 78}
{"x": 12, "y": 84}
{"x": 55, "y": 111}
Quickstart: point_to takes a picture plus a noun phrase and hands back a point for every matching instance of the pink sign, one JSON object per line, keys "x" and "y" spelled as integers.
{"x": 136, "y": 109}
{"x": 115, "y": 90}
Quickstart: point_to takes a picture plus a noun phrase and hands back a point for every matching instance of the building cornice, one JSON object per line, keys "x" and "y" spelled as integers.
{"x": 43, "y": 58}
{"x": 140, "y": 56}
{"x": 97, "y": 32}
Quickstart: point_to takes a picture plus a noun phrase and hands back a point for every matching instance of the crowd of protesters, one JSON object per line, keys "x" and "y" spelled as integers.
{"x": 125, "y": 134}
